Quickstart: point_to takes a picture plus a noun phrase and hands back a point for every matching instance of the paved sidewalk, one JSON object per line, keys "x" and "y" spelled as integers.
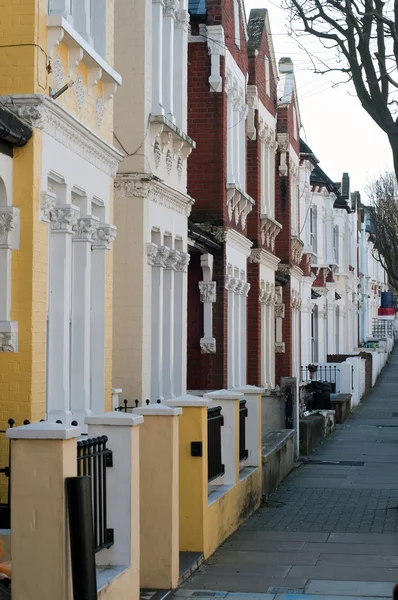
{"x": 331, "y": 529}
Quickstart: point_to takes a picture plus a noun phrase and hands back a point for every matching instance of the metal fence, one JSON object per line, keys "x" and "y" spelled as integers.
{"x": 5, "y": 507}
{"x": 93, "y": 458}
{"x": 327, "y": 373}
{"x": 215, "y": 421}
{"x": 243, "y": 453}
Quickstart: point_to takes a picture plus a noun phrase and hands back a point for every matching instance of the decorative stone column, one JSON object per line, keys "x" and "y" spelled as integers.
{"x": 157, "y": 256}
{"x": 230, "y": 285}
{"x": 207, "y": 289}
{"x": 9, "y": 240}
{"x": 83, "y": 239}
{"x": 168, "y": 323}
{"x": 104, "y": 235}
{"x": 180, "y": 324}
{"x": 181, "y": 67}
{"x": 63, "y": 220}
{"x": 169, "y": 17}
{"x": 243, "y": 333}
{"x": 157, "y": 65}
{"x": 279, "y": 316}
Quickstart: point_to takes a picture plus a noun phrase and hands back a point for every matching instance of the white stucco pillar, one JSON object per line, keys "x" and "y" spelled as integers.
{"x": 169, "y": 15}
{"x": 238, "y": 332}
{"x": 207, "y": 289}
{"x": 104, "y": 236}
{"x": 264, "y": 338}
{"x": 231, "y": 285}
{"x": 272, "y": 343}
{"x": 243, "y": 335}
{"x": 157, "y": 256}
{"x": 63, "y": 219}
{"x": 81, "y": 318}
{"x": 157, "y": 62}
{"x": 9, "y": 240}
{"x": 230, "y": 141}
{"x": 181, "y": 68}
{"x": 168, "y": 322}
{"x": 180, "y": 323}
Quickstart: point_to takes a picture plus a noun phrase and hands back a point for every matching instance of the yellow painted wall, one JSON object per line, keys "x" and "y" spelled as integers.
{"x": 224, "y": 516}
{"x": 22, "y": 374}
{"x": 203, "y": 527}
{"x": 23, "y": 70}
{"x": 193, "y": 479}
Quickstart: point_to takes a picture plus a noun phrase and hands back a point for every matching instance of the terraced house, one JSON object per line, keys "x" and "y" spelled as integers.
{"x": 59, "y": 79}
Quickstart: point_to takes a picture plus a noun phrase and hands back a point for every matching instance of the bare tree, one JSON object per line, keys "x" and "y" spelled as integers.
{"x": 383, "y": 225}
{"x": 364, "y": 36}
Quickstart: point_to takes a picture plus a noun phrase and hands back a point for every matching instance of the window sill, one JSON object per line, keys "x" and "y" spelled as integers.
{"x": 105, "y": 575}
{"x": 59, "y": 30}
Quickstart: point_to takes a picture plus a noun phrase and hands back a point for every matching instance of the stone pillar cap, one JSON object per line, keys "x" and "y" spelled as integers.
{"x": 43, "y": 431}
{"x": 251, "y": 389}
{"x": 224, "y": 395}
{"x": 114, "y": 418}
{"x": 157, "y": 410}
{"x": 188, "y": 400}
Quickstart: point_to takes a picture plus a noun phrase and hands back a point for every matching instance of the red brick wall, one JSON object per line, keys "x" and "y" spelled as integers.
{"x": 207, "y": 119}
{"x": 207, "y": 371}
{"x": 257, "y": 75}
{"x": 253, "y": 326}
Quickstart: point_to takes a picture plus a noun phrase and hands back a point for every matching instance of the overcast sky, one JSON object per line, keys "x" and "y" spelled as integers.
{"x": 335, "y": 126}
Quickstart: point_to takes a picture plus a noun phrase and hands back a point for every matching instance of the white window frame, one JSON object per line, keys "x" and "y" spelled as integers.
{"x": 237, "y": 23}
{"x": 267, "y": 72}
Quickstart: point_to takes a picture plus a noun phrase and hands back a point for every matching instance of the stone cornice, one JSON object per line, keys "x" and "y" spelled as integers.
{"x": 142, "y": 185}
{"x": 261, "y": 256}
{"x": 41, "y": 112}
{"x": 238, "y": 241}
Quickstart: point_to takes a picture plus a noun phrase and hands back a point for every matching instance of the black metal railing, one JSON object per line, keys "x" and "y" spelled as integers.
{"x": 93, "y": 458}
{"x": 327, "y": 373}
{"x": 243, "y": 453}
{"x": 5, "y": 507}
{"x": 215, "y": 421}
{"x": 129, "y": 408}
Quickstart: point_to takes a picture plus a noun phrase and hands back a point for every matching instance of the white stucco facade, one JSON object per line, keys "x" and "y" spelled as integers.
{"x": 151, "y": 203}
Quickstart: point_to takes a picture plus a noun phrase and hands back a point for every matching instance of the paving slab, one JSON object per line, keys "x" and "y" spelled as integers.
{"x": 245, "y": 584}
{"x": 323, "y": 597}
{"x": 230, "y": 557}
{"x": 351, "y": 588}
{"x": 333, "y": 573}
{"x": 359, "y": 550}
{"x": 330, "y": 530}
